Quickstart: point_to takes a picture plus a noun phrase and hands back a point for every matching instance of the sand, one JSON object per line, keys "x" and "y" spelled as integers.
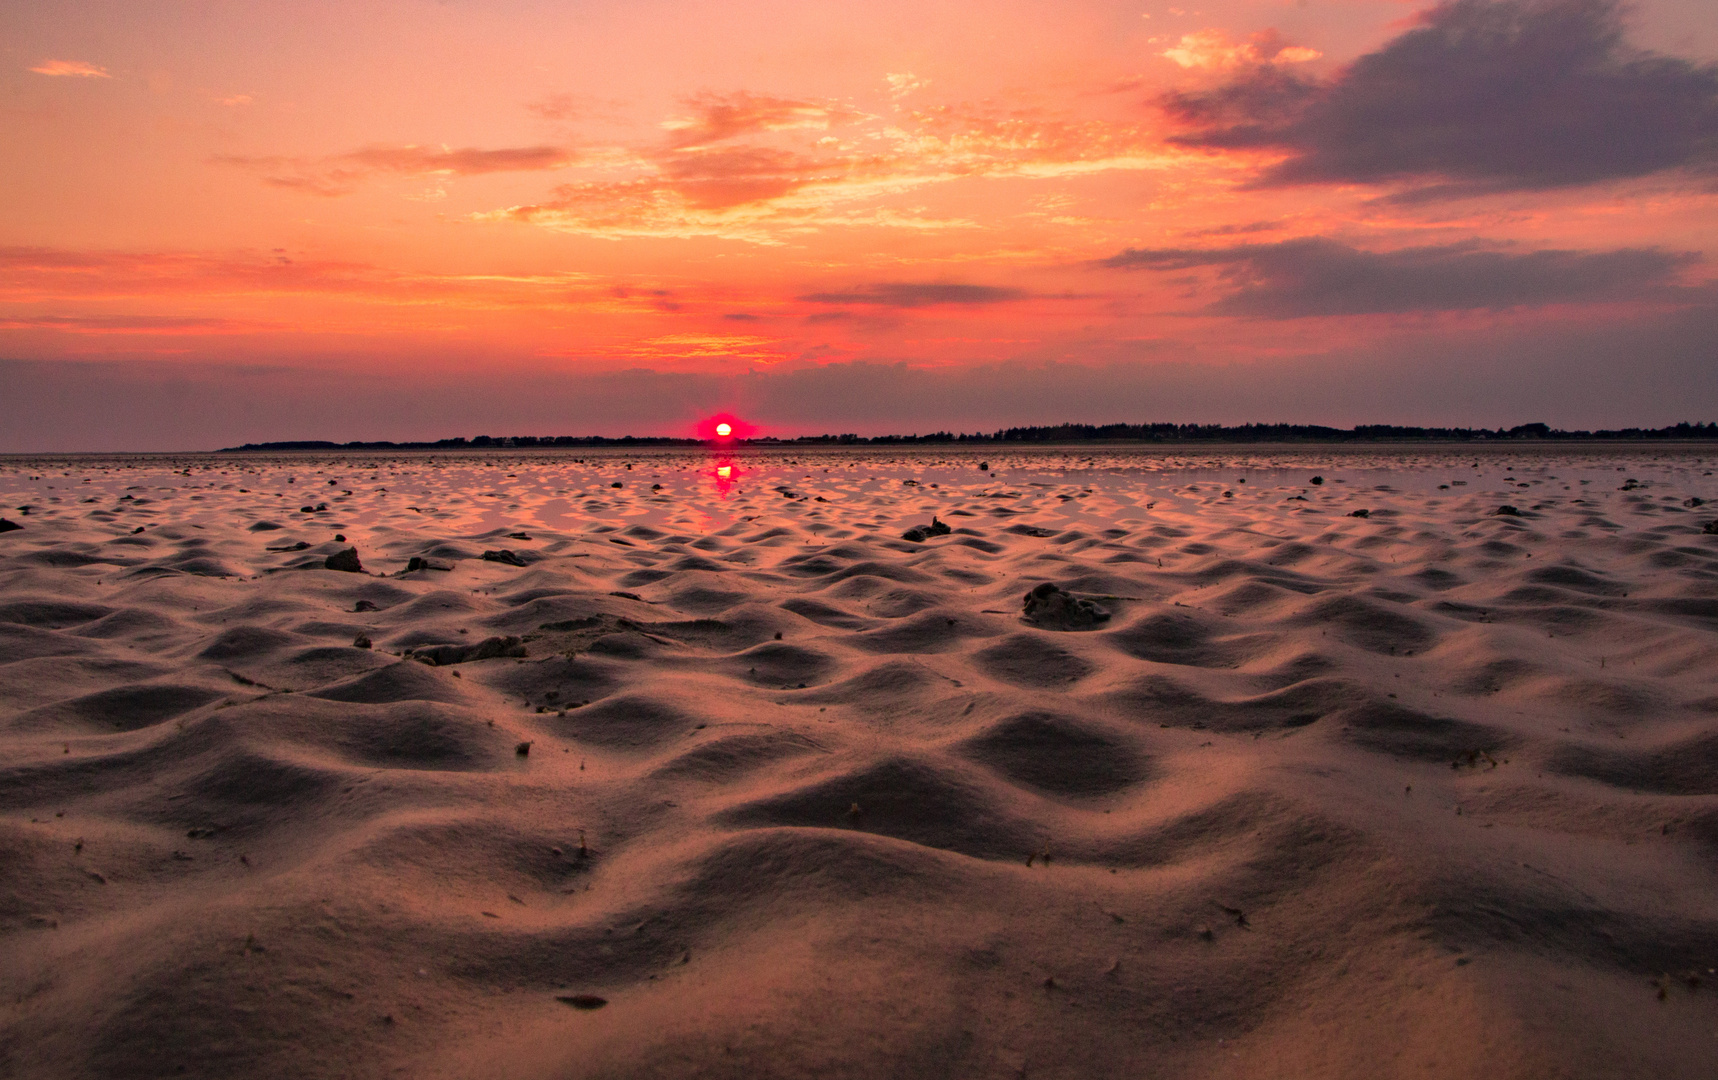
{"x": 1272, "y": 791}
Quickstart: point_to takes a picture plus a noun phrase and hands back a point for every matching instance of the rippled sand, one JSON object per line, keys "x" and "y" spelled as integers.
{"x": 1430, "y": 791}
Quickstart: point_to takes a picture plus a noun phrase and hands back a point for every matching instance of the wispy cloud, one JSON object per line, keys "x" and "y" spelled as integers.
{"x": 717, "y": 117}
{"x": 75, "y": 69}
{"x": 122, "y": 324}
{"x": 342, "y": 174}
{"x": 760, "y": 168}
{"x": 902, "y": 83}
{"x": 37, "y": 277}
{"x": 1211, "y": 50}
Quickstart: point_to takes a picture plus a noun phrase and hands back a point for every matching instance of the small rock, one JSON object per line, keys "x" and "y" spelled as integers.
{"x": 519, "y": 536}
{"x": 345, "y": 559}
{"x": 418, "y": 563}
{"x": 339, "y": 538}
{"x": 523, "y": 749}
{"x": 984, "y": 466}
{"x": 1054, "y": 608}
{"x": 615, "y": 484}
{"x": 1711, "y": 528}
{"x": 503, "y": 556}
{"x": 582, "y": 1001}
{"x": 7, "y": 525}
{"x": 1506, "y": 511}
{"x": 362, "y": 641}
{"x": 1359, "y": 513}
{"x": 365, "y": 605}
{"x": 1318, "y": 480}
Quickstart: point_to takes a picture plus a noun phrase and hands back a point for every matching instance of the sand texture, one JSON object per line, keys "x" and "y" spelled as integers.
{"x": 713, "y": 774}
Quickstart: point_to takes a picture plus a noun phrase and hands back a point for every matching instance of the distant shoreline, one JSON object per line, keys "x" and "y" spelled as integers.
{"x": 1063, "y": 434}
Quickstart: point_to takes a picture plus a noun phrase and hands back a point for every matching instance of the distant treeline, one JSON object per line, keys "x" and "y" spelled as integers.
{"x": 1064, "y": 433}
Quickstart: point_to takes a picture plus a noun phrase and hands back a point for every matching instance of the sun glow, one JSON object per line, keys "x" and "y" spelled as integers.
{"x": 725, "y": 427}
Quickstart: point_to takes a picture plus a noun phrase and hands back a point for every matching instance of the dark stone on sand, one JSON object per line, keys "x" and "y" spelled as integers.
{"x": 1360, "y": 513}
{"x": 918, "y": 534}
{"x": 1054, "y": 608}
{"x": 365, "y": 605}
{"x": 345, "y": 559}
{"x": 487, "y": 649}
{"x": 523, "y": 749}
{"x": 519, "y": 536}
{"x": 1692, "y": 503}
{"x": 417, "y": 562}
{"x": 300, "y": 546}
{"x": 984, "y": 466}
{"x": 1318, "y": 479}
{"x": 615, "y": 484}
{"x": 1711, "y": 528}
{"x": 307, "y": 509}
{"x": 339, "y": 538}
{"x": 1506, "y": 511}
{"x": 503, "y": 556}
{"x": 7, "y": 525}
{"x": 582, "y": 1001}
{"x": 362, "y": 641}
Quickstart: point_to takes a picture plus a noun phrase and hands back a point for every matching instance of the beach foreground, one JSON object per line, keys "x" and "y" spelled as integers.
{"x": 706, "y": 771}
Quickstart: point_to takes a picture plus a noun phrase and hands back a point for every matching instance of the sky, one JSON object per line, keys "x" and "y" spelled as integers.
{"x": 242, "y": 220}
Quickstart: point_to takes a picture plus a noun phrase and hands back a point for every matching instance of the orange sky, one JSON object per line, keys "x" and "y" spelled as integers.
{"x": 746, "y": 194}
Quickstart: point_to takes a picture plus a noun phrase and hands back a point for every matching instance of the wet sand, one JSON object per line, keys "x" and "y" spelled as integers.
{"x": 714, "y": 774}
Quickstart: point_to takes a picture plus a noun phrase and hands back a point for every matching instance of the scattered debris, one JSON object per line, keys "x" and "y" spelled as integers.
{"x": 918, "y": 534}
{"x": 1237, "y": 914}
{"x": 1054, "y": 608}
{"x": 487, "y": 649}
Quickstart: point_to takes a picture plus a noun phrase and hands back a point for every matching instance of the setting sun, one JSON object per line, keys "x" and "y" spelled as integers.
{"x": 724, "y": 429}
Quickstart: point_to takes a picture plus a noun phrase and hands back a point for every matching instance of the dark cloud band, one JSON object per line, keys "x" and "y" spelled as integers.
{"x": 1483, "y": 95}
{"x": 912, "y": 295}
{"x": 1315, "y": 276}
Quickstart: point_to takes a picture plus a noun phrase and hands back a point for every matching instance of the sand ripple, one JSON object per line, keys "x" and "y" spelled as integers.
{"x": 1428, "y": 791}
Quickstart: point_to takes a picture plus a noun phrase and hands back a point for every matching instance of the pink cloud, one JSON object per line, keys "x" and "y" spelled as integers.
{"x": 76, "y": 69}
